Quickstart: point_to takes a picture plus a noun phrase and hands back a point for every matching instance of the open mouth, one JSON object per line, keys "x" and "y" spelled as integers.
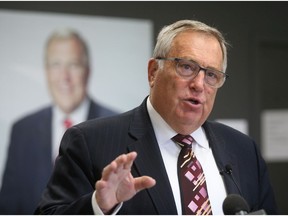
{"x": 194, "y": 101}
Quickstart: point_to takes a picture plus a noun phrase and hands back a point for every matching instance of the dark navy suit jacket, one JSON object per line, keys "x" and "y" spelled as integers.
{"x": 29, "y": 162}
{"x": 88, "y": 147}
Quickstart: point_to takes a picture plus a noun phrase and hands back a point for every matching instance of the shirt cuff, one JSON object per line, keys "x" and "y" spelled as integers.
{"x": 98, "y": 211}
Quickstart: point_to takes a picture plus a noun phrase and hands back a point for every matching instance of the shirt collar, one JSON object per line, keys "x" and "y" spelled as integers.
{"x": 164, "y": 132}
{"x": 80, "y": 114}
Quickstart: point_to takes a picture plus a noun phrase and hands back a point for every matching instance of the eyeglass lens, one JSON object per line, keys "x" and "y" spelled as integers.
{"x": 190, "y": 69}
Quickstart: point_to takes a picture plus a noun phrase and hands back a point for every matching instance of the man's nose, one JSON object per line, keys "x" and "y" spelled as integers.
{"x": 65, "y": 72}
{"x": 198, "y": 81}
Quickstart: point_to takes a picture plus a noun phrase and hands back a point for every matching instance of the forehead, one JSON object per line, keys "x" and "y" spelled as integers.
{"x": 64, "y": 42}
{"x": 65, "y": 49}
{"x": 198, "y": 46}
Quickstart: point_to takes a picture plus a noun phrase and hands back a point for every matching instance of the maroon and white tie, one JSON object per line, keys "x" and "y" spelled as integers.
{"x": 193, "y": 189}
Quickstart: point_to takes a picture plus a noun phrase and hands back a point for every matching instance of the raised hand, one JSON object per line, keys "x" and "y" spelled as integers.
{"x": 117, "y": 184}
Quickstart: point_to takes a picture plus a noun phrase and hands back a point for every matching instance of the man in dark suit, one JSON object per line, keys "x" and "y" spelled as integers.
{"x": 35, "y": 139}
{"x": 127, "y": 164}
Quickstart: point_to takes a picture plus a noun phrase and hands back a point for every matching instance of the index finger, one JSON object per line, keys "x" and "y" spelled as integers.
{"x": 125, "y": 161}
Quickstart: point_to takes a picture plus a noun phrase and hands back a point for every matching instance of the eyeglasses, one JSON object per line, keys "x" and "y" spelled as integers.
{"x": 190, "y": 69}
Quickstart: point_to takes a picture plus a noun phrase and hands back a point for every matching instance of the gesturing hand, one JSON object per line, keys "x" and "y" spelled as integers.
{"x": 117, "y": 184}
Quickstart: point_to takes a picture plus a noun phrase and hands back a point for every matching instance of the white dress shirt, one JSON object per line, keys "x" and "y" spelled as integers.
{"x": 80, "y": 114}
{"x": 170, "y": 151}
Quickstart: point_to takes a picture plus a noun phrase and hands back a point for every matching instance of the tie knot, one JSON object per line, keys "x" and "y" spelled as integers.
{"x": 67, "y": 123}
{"x": 183, "y": 140}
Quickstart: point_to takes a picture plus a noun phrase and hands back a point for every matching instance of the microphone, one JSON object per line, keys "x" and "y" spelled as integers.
{"x": 234, "y": 204}
{"x": 228, "y": 171}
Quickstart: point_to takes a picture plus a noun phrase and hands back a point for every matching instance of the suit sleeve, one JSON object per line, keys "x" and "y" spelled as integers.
{"x": 71, "y": 186}
{"x": 11, "y": 177}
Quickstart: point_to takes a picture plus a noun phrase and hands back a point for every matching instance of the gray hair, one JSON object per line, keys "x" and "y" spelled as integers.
{"x": 65, "y": 34}
{"x": 168, "y": 33}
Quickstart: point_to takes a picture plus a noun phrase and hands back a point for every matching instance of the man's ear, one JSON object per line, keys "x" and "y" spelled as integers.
{"x": 152, "y": 71}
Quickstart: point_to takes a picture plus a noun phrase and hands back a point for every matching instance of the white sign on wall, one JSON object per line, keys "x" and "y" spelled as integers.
{"x": 274, "y": 130}
{"x": 238, "y": 124}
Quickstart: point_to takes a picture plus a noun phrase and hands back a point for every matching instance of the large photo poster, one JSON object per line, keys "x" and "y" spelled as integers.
{"x": 119, "y": 50}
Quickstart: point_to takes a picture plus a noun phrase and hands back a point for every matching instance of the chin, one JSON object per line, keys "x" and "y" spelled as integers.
{"x": 67, "y": 108}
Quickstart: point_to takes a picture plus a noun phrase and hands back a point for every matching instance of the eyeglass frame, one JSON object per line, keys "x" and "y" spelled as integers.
{"x": 177, "y": 60}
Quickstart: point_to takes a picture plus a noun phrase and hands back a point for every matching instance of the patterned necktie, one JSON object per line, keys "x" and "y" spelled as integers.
{"x": 193, "y": 189}
{"x": 67, "y": 123}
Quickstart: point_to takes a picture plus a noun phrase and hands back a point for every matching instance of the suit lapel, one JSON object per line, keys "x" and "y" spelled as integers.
{"x": 96, "y": 110}
{"x": 92, "y": 111}
{"x": 45, "y": 132}
{"x": 44, "y": 146}
{"x": 149, "y": 161}
{"x": 223, "y": 157}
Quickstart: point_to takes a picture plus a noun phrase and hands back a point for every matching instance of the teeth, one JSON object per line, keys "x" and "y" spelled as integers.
{"x": 194, "y": 102}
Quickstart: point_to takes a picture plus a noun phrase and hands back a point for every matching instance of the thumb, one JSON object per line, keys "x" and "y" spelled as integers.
{"x": 143, "y": 182}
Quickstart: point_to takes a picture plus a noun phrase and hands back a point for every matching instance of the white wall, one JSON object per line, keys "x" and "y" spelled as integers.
{"x": 119, "y": 50}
